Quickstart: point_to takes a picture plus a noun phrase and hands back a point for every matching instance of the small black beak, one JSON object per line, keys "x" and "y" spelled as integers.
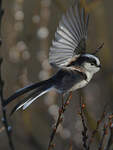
{"x": 99, "y": 66}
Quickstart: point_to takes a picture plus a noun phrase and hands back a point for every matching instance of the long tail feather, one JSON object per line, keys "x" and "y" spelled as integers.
{"x": 24, "y": 90}
{"x": 32, "y": 99}
{"x": 29, "y": 99}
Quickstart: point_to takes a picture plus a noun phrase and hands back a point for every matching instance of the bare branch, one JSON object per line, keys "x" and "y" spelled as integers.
{"x": 96, "y": 129}
{"x": 110, "y": 126}
{"x": 60, "y": 119}
{"x": 84, "y": 132}
{"x": 8, "y": 128}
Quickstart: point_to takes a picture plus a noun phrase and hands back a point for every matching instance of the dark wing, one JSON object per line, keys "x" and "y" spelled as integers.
{"x": 70, "y": 37}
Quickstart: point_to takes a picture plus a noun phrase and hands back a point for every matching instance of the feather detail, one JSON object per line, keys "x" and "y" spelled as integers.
{"x": 70, "y": 37}
{"x": 30, "y": 98}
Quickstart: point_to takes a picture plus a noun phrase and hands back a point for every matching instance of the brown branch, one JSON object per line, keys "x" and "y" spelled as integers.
{"x": 70, "y": 146}
{"x": 107, "y": 126}
{"x": 96, "y": 129}
{"x": 110, "y": 125}
{"x": 8, "y": 128}
{"x": 59, "y": 120}
{"x": 98, "y": 49}
{"x": 105, "y": 130}
{"x": 84, "y": 132}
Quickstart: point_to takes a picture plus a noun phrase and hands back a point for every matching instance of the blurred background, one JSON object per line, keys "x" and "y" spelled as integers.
{"x": 28, "y": 28}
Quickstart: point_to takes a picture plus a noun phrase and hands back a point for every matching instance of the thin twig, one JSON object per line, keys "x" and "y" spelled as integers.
{"x": 98, "y": 49}
{"x": 70, "y": 146}
{"x": 4, "y": 118}
{"x": 8, "y": 128}
{"x": 96, "y": 129}
{"x": 59, "y": 120}
{"x": 107, "y": 126}
{"x": 84, "y": 132}
{"x": 105, "y": 129}
{"x": 110, "y": 125}
{"x": 1, "y": 15}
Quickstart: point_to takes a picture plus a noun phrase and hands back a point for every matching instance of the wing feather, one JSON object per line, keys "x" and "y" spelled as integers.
{"x": 61, "y": 35}
{"x": 82, "y": 20}
{"x": 76, "y": 26}
{"x": 62, "y": 45}
{"x": 87, "y": 22}
{"x": 70, "y": 37}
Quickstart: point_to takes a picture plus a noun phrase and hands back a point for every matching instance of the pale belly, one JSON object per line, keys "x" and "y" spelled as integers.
{"x": 79, "y": 85}
{"x": 83, "y": 83}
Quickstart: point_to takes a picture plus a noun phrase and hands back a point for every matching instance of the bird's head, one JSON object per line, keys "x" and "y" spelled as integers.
{"x": 89, "y": 63}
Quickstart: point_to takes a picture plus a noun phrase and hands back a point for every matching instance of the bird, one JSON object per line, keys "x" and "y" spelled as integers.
{"x": 75, "y": 67}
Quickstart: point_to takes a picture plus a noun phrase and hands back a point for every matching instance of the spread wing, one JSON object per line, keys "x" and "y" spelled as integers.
{"x": 70, "y": 37}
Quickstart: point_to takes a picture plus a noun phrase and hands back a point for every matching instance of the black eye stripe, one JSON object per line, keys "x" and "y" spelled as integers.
{"x": 83, "y": 59}
{"x": 93, "y": 61}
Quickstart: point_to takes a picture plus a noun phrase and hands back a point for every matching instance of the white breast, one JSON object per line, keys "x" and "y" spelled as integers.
{"x": 83, "y": 82}
{"x": 79, "y": 85}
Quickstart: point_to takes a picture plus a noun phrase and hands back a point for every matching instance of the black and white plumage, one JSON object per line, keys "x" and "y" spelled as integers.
{"x": 68, "y": 54}
{"x": 70, "y": 37}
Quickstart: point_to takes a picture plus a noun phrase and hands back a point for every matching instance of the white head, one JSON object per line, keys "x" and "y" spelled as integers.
{"x": 91, "y": 63}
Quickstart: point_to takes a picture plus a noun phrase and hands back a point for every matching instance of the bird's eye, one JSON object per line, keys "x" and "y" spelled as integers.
{"x": 92, "y": 64}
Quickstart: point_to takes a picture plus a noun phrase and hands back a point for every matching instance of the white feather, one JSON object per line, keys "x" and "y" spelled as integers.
{"x": 92, "y": 56}
{"x": 29, "y": 101}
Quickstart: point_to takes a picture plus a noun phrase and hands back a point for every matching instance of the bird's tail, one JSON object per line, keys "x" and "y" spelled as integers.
{"x": 38, "y": 89}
